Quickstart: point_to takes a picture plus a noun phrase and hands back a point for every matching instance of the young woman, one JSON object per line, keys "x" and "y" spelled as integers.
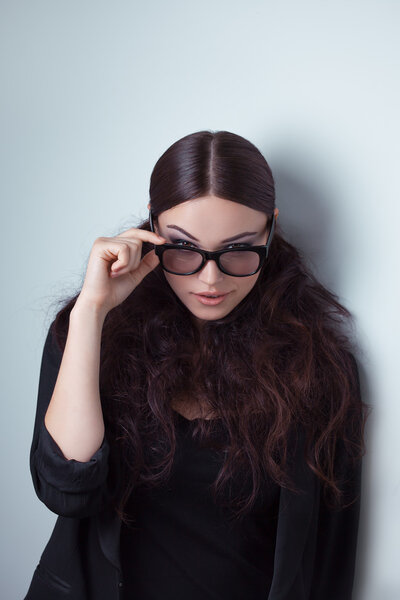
{"x": 199, "y": 426}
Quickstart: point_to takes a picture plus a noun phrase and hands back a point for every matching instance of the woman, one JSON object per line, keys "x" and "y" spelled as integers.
{"x": 197, "y": 446}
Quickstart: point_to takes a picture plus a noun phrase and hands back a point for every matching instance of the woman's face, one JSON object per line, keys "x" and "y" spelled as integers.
{"x": 211, "y": 219}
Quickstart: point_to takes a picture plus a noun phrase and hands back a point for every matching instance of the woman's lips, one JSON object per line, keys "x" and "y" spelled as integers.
{"x": 211, "y": 301}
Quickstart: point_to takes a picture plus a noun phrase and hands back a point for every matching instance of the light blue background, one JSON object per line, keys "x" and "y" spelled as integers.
{"x": 92, "y": 93}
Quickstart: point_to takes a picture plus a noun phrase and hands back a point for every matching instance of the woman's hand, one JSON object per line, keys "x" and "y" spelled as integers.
{"x": 115, "y": 268}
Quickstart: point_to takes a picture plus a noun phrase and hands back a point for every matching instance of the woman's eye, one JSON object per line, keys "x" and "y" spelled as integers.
{"x": 177, "y": 242}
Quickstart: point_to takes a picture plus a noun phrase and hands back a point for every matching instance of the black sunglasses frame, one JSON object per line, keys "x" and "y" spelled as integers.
{"x": 262, "y": 251}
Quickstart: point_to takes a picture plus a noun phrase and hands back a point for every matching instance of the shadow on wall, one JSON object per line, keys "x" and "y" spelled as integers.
{"x": 307, "y": 217}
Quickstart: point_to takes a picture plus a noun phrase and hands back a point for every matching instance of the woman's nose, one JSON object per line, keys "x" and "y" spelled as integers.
{"x": 210, "y": 273}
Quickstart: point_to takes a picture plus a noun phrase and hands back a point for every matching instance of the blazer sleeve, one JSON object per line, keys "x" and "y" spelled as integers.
{"x": 337, "y": 532}
{"x": 336, "y": 546}
{"x": 67, "y": 487}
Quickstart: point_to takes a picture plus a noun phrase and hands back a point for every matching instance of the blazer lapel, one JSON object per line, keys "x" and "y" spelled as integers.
{"x": 109, "y": 529}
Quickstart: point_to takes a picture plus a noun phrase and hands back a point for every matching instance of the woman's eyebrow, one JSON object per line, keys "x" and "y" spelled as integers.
{"x": 234, "y": 237}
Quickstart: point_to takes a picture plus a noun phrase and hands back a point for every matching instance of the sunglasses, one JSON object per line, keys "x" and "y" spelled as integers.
{"x": 240, "y": 262}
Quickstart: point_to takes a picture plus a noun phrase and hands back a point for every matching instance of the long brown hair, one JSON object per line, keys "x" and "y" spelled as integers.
{"x": 279, "y": 361}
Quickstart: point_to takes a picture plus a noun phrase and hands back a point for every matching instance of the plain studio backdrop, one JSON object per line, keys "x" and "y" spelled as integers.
{"x": 93, "y": 92}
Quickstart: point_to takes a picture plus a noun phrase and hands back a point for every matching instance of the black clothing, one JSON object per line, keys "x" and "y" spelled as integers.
{"x": 315, "y": 547}
{"x": 184, "y": 546}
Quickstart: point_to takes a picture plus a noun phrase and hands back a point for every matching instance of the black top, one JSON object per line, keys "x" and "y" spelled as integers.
{"x": 186, "y": 545}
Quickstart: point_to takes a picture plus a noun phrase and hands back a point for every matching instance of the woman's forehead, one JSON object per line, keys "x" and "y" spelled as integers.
{"x": 212, "y": 216}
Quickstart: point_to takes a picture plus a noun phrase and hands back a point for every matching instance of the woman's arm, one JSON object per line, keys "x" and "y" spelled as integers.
{"x": 69, "y": 451}
{"x": 74, "y": 417}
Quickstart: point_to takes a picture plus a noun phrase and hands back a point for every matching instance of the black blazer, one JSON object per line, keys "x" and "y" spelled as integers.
{"x": 315, "y": 547}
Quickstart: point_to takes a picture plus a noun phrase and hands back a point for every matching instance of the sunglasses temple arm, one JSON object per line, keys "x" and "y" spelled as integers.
{"x": 151, "y": 221}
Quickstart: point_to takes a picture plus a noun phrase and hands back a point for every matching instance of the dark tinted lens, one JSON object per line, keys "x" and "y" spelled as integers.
{"x": 235, "y": 263}
{"x": 181, "y": 261}
{"x": 240, "y": 263}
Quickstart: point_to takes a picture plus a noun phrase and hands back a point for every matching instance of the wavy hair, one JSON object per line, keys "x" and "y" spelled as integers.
{"x": 279, "y": 361}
